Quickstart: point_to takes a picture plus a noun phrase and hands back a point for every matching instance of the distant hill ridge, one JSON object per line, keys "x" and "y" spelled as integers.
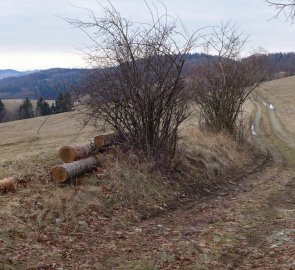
{"x": 48, "y": 83}
{"x": 45, "y": 83}
{"x": 6, "y": 73}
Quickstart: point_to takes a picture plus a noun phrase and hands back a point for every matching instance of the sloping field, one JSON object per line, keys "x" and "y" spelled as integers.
{"x": 40, "y": 137}
{"x": 281, "y": 94}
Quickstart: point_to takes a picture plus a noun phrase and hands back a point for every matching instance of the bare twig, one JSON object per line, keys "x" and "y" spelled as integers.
{"x": 221, "y": 87}
{"x": 137, "y": 86}
{"x": 285, "y": 7}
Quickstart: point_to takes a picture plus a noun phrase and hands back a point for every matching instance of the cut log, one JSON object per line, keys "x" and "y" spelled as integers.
{"x": 8, "y": 184}
{"x": 106, "y": 140}
{"x": 68, "y": 171}
{"x": 72, "y": 153}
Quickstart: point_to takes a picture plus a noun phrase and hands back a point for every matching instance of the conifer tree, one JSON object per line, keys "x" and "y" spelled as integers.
{"x": 26, "y": 110}
{"x": 43, "y": 107}
{"x": 2, "y": 111}
{"x": 63, "y": 103}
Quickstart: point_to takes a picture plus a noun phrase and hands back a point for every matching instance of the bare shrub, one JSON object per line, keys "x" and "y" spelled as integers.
{"x": 221, "y": 87}
{"x": 137, "y": 86}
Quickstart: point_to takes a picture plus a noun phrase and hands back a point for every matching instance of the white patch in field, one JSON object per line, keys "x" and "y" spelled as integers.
{"x": 253, "y": 130}
{"x": 271, "y": 107}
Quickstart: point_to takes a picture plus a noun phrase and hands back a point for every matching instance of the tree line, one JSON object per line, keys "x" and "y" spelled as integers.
{"x": 63, "y": 103}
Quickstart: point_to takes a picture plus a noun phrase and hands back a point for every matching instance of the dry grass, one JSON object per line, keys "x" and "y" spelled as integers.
{"x": 132, "y": 183}
{"x": 203, "y": 161}
{"x": 19, "y": 140}
{"x": 281, "y": 93}
{"x": 29, "y": 156}
{"x": 42, "y": 219}
{"x": 68, "y": 206}
{"x": 207, "y": 158}
{"x": 40, "y": 210}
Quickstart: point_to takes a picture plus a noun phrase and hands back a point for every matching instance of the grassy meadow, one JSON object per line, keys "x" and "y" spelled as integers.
{"x": 281, "y": 93}
{"x": 39, "y": 139}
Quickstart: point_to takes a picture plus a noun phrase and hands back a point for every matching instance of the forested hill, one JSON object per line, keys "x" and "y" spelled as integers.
{"x": 5, "y": 73}
{"x": 45, "y": 83}
{"x": 278, "y": 62}
{"x": 48, "y": 83}
{"x": 282, "y": 62}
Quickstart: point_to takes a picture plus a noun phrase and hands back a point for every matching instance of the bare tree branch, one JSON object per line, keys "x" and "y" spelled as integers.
{"x": 222, "y": 86}
{"x": 136, "y": 85}
{"x": 285, "y": 7}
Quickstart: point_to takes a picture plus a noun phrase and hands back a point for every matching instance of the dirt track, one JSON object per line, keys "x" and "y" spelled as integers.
{"x": 249, "y": 226}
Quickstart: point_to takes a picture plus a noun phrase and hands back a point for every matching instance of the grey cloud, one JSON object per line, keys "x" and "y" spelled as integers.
{"x": 36, "y": 25}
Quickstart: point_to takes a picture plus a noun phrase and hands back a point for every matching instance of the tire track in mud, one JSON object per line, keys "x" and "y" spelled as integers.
{"x": 273, "y": 133}
{"x": 277, "y": 126}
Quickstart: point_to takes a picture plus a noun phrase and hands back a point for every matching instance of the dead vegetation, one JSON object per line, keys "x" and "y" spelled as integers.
{"x": 280, "y": 93}
{"x": 204, "y": 161}
{"x": 144, "y": 99}
{"x": 212, "y": 157}
{"x": 130, "y": 182}
{"x": 97, "y": 206}
{"x": 137, "y": 85}
{"x": 126, "y": 188}
{"x": 221, "y": 87}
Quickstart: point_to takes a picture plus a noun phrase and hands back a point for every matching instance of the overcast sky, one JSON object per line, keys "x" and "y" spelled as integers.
{"x": 33, "y": 34}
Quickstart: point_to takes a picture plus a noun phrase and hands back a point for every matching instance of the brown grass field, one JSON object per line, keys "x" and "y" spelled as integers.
{"x": 281, "y": 93}
{"x": 22, "y": 140}
{"x": 223, "y": 209}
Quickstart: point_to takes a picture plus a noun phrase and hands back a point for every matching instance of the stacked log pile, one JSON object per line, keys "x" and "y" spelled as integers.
{"x": 80, "y": 159}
